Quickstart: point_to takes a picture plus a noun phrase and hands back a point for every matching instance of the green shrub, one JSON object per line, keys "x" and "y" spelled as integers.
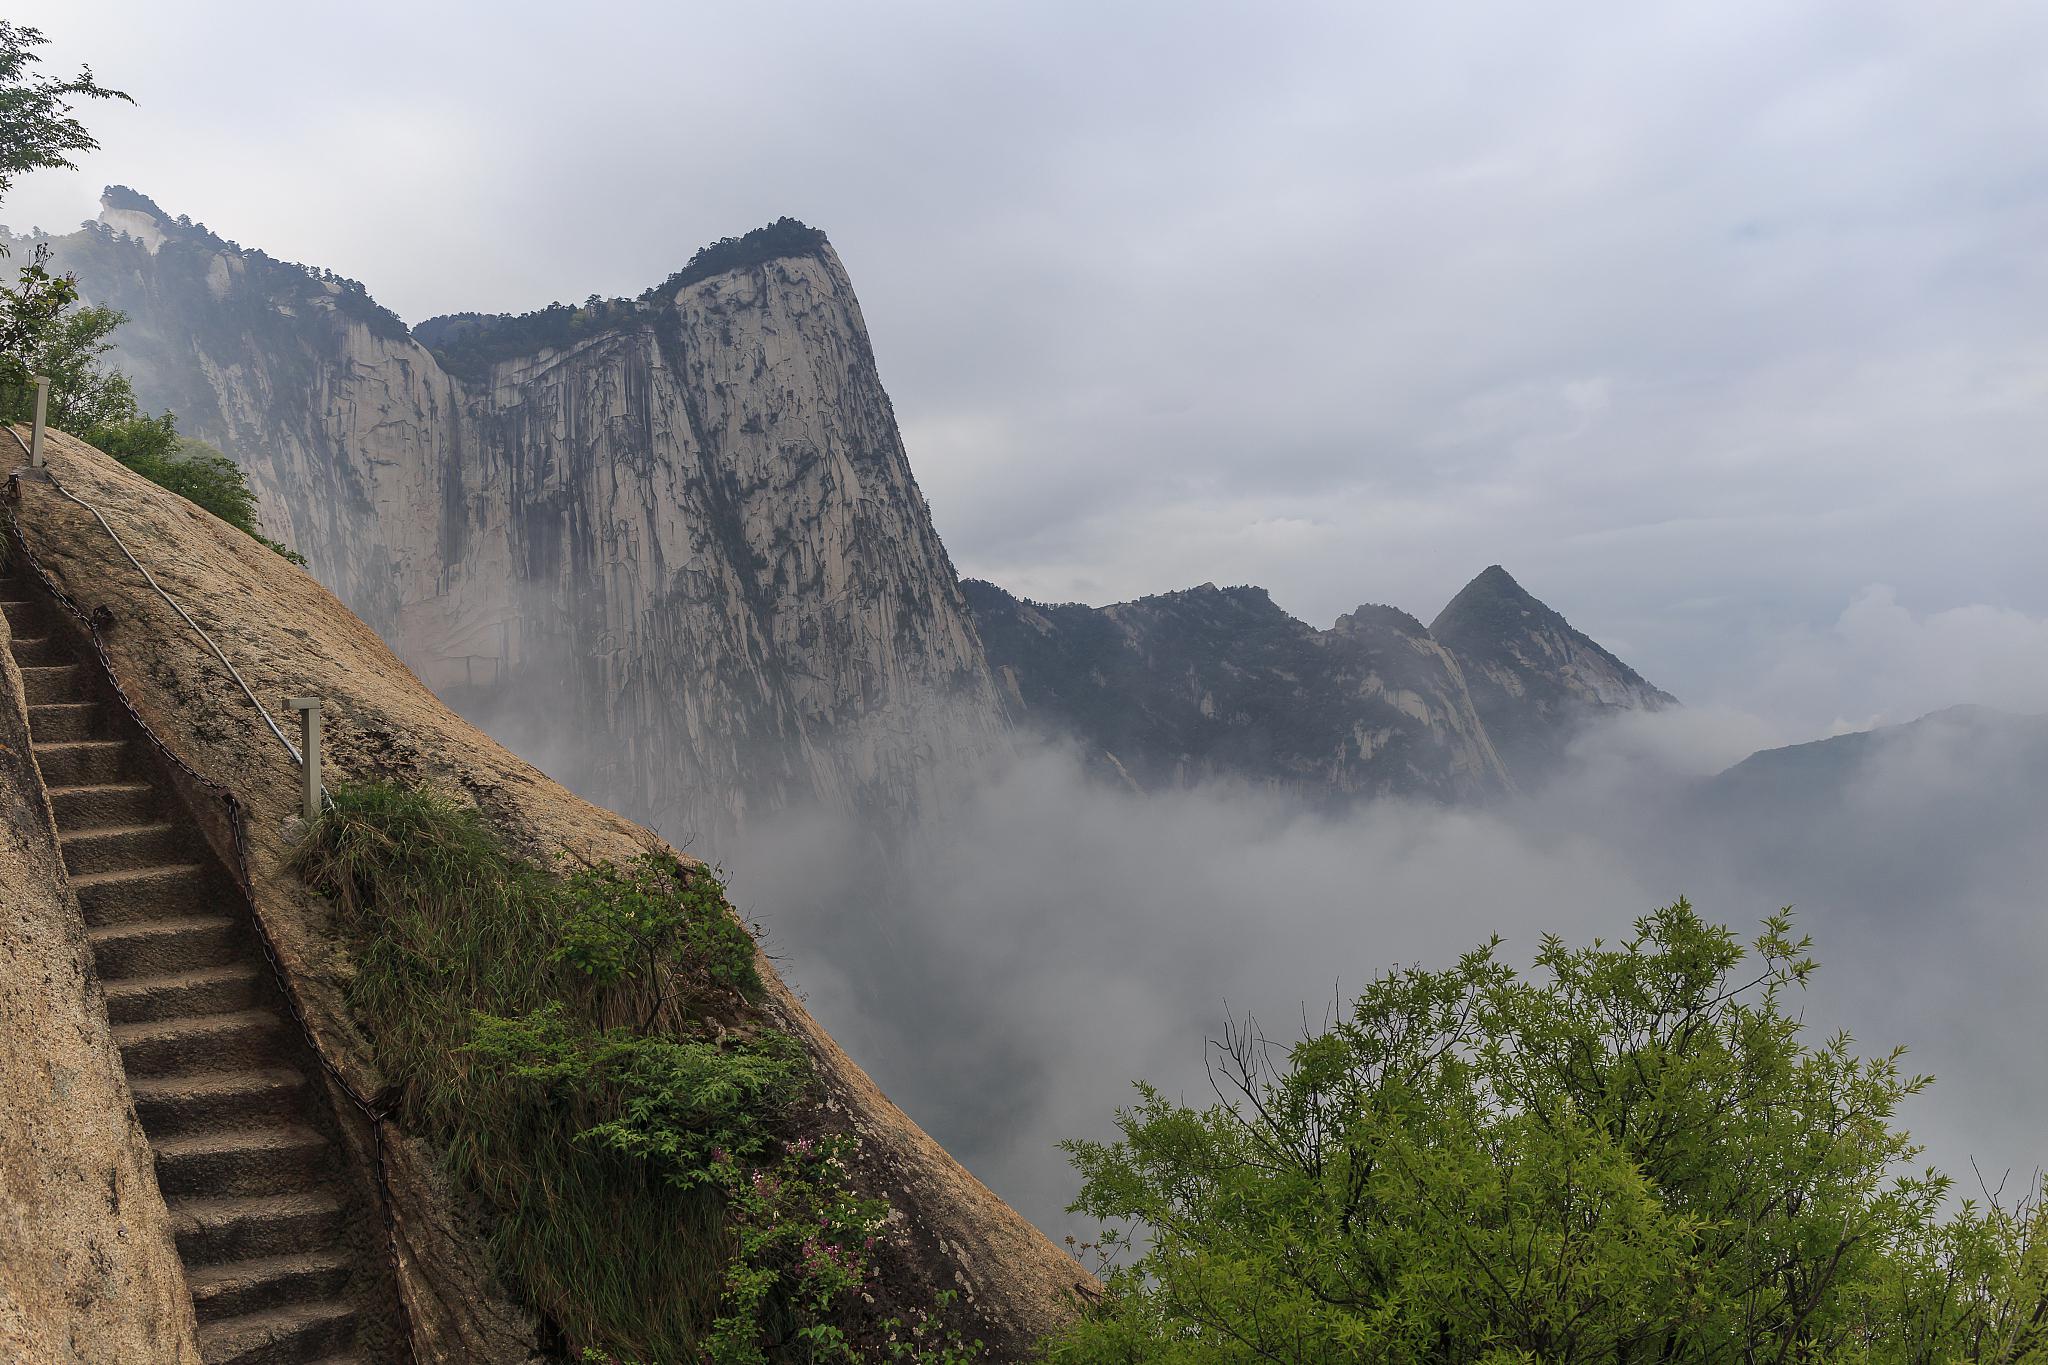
{"x": 581, "y": 1047}
{"x": 45, "y": 330}
{"x": 1633, "y": 1156}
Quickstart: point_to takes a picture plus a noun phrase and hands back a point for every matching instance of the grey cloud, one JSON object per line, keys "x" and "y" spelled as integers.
{"x": 1050, "y": 940}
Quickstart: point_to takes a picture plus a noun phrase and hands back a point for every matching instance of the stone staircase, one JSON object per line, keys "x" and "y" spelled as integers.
{"x": 285, "y": 1261}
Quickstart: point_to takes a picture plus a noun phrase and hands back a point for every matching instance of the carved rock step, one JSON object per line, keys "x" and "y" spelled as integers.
{"x": 55, "y": 720}
{"x": 200, "y": 1043}
{"x": 52, "y": 682}
{"x": 172, "y": 1105}
{"x": 41, "y": 649}
{"x": 289, "y": 1334}
{"x": 242, "y": 1228}
{"x": 155, "y": 844}
{"x": 126, "y": 895}
{"x": 275, "y": 1160}
{"x": 207, "y": 990}
{"x": 219, "y": 1079}
{"x": 69, "y": 762}
{"x": 103, "y": 803}
{"x": 23, "y": 616}
{"x": 236, "y": 1288}
{"x": 153, "y": 947}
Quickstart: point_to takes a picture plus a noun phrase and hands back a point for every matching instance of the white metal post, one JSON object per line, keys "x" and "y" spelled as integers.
{"x": 309, "y": 749}
{"x": 35, "y": 440}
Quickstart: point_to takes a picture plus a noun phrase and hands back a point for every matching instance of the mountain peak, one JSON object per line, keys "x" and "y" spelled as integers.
{"x": 1533, "y": 678}
{"x": 469, "y": 344}
{"x": 135, "y": 214}
{"x": 1491, "y": 602}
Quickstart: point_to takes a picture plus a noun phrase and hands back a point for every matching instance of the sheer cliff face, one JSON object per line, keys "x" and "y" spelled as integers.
{"x": 1534, "y": 679}
{"x": 1220, "y": 682}
{"x": 678, "y": 557}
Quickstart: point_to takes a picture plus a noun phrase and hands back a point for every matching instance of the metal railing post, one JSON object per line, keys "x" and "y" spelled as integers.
{"x": 35, "y": 440}
{"x": 309, "y": 750}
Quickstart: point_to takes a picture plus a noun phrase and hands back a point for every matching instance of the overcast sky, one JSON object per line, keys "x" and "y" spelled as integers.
{"x": 1720, "y": 325}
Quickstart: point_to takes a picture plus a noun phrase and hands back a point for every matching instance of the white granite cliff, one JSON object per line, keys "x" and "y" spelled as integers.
{"x": 680, "y": 560}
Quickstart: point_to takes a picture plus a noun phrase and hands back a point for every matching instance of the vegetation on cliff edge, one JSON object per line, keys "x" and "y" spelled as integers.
{"x": 469, "y": 344}
{"x": 581, "y": 1045}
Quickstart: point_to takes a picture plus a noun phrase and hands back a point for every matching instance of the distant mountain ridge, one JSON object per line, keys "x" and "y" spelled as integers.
{"x": 1221, "y": 682}
{"x": 671, "y": 548}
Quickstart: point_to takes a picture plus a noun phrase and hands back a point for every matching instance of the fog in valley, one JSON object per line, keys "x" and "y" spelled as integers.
{"x": 1039, "y": 946}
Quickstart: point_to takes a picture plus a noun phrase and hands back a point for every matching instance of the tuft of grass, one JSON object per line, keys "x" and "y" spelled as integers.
{"x": 578, "y": 1046}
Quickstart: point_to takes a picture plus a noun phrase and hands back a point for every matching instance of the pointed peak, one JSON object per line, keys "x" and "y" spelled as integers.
{"x": 1493, "y": 600}
{"x": 1495, "y": 581}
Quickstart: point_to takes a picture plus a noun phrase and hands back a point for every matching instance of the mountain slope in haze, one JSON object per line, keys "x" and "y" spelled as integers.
{"x": 670, "y": 547}
{"x": 1534, "y": 680}
{"x": 1220, "y": 682}
{"x": 1892, "y": 811}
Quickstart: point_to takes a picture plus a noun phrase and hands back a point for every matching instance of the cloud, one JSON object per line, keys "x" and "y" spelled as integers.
{"x": 1049, "y": 941}
{"x": 1882, "y": 662}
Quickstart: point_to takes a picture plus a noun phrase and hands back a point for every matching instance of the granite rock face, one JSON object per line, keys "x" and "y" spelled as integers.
{"x": 1534, "y": 680}
{"x": 670, "y": 548}
{"x": 1220, "y": 682}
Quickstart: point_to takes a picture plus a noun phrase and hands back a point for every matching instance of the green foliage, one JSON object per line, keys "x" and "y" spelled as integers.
{"x": 673, "y": 1104}
{"x": 632, "y": 919}
{"x": 1632, "y": 1156}
{"x": 469, "y": 344}
{"x": 29, "y": 312}
{"x": 792, "y": 1229}
{"x": 580, "y": 1047}
{"x": 782, "y": 239}
{"x": 37, "y": 130}
{"x": 44, "y": 331}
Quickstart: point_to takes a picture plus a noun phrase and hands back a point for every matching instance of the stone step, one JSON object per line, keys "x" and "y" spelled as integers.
{"x": 171, "y": 1106}
{"x": 134, "y": 894}
{"x": 54, "y": 682}
{"x": 90, "y": 805}
{"x": 127, "y": 848}
{"x": 43, "y": 649}
{"x": 235, "y": 1288}
{"x": 23, "y": 615}
{"x": 54, "y": 720}
{"x": 200, "y": 1043}
{"x": 156, "y": 947}
{"x": 273, "y": 1160}
{"x": 209, "y": 990}
{"x": 279, "y": 1336}
{"x": 243, "y": 1227}
{"x": 71, "y": 762}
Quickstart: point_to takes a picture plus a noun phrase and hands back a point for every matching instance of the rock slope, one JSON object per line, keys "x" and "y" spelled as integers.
{"x": 287, "y": 636}
{"x": 1220, "y": 682}
{"x": 669, "y": 547}
{"x": 1534, "y": 680}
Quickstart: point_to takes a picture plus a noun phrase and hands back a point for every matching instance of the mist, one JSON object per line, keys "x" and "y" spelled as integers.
{"x": 1048, "y": 940}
